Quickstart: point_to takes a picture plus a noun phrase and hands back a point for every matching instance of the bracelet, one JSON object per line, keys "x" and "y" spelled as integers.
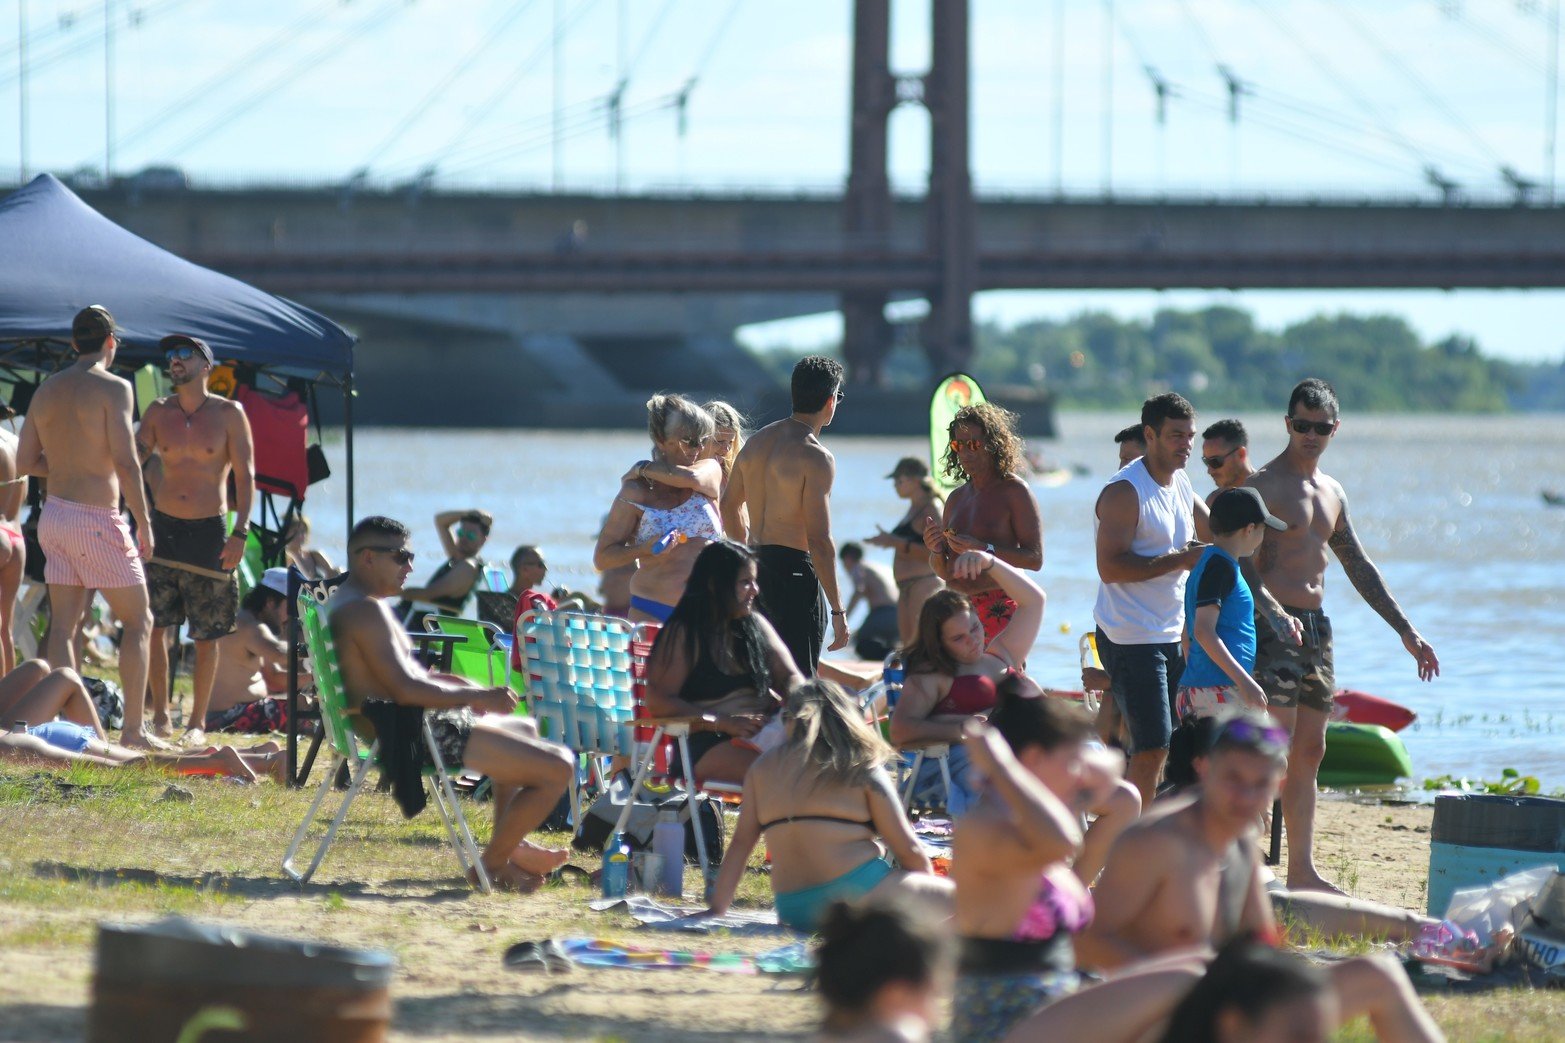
{"x": 839, "y": 612}
{"x": 239, "y": 534}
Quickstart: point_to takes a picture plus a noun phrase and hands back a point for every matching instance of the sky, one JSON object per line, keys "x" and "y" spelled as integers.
{"x": 1340, "y": 99}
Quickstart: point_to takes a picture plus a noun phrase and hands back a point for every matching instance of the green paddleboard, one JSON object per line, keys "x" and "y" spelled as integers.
{"x": 951, "y": 394}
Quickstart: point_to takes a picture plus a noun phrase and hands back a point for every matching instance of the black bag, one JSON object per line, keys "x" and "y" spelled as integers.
{"x": 598, "y": 823}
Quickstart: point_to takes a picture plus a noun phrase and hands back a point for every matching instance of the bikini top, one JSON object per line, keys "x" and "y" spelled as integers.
{"x": 707, "y": 684}
{"x": 969, "y": 694}
{"x": 697, "y": 518}
{"x": 866, "y": 823}
{"x": 1055, "y": 910}
{"x": 904, "y": 531}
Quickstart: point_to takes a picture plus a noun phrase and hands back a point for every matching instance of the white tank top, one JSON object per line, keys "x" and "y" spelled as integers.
{"x": 1150, "y": 611}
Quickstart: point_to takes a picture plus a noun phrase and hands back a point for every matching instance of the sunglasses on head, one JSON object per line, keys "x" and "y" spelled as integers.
{"x": 1304, "y": 427}
{"x": 1241, "y": 732}
{"x": 183, "y": 353}
{"x": 1214, "y": 462}
{"x": 972, "y": 445}
{"x": 401, "y": 556}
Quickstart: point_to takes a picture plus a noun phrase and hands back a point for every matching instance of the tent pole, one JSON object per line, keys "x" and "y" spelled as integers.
{"x": 347, "y": 425}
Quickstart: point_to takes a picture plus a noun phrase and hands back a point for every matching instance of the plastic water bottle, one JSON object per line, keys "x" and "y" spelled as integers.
{"x": 670, "y": 539}
{"x": 668, "y": 842}
{"x": 616, "y": 867}
{"x": 894, "y": 674}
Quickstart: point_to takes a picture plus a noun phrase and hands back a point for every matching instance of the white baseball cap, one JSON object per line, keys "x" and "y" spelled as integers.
{"x": 276, "y": 579}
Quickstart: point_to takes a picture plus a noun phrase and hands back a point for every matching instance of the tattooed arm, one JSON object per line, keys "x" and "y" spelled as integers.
{"x": 1283, "y": 622}
{"x": 1367, "y": 580}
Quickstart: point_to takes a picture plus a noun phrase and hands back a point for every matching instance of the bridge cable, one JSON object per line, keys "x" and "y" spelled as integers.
{"x": 1396, "y": 62}
{"x": 499, "y": 93}
{"x": 63, "y": 23}
{"x": 353, "y": 34}
{"x": 202, "y": 91}
{"x": 522, "y": 128}
{"x": 461, "y": 66}
{"x": 94, "y": 38}
{"x": 585, "y": 124}
{"x": 1281, "y": 125}
{"x": 1492, "y": 36}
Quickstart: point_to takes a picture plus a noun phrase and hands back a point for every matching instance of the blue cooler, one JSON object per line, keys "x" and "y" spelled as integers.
{"x": 1477, "y": 838}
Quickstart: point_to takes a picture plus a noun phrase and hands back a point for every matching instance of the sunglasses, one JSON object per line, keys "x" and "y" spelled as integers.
{"x": 839, "y": 394}
{"x": 402, "y": 557}
{"x": 1214, "y": 462}
{"x": 695, "y": 443}
{"x": 470, "y": 534}
{"x": 972, "y": 445}
{"x": 1240, "y": 732}
{"x": 1304, "y": 427}
{"x": 183, "y": 353}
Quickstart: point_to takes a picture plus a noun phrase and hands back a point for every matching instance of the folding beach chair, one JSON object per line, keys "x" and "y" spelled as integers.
{"x": 346, "y": 749}
{"x": 481, "y": 657}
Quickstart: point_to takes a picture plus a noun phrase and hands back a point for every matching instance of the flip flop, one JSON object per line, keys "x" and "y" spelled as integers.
{"x": 546, "y": 956}
{"x": 577, "y": 872}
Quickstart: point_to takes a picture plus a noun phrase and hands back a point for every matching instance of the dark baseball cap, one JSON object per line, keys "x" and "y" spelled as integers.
{"x": 1233, "y": 509}
{"x": 93, "y": 323}
{"x": 182, "y": 340}
{"x": 910, "y": 466}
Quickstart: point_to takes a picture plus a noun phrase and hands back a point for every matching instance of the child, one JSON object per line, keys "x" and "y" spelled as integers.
{"x": 1220, "y": 611}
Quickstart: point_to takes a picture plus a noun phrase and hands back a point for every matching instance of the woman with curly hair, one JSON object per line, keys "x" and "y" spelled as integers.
{"x": 993, "y": 511}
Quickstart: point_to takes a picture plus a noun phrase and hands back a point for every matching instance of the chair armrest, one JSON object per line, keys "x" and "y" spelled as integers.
{"x": 659, "y": 722}
{"x": 936, "y": 747}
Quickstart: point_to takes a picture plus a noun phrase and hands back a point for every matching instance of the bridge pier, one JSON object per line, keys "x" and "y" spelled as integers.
{"x": 866, "y": 205}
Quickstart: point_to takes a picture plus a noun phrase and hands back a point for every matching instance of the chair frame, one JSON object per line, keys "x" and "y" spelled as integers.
{"x": 345, "y": 748}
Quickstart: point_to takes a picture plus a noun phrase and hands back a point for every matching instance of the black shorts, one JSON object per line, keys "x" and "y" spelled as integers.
{"x": 210, "y": 604}
{"x": 792, "y": 600}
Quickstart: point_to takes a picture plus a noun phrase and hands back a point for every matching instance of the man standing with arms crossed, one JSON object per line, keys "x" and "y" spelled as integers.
{"x": 77, "y": 435}
{"x": 1148, "y": 517}
{"x": 1298, "y": 678}
{"x": 784, "y": 476}
{"x": 199, "y": 438}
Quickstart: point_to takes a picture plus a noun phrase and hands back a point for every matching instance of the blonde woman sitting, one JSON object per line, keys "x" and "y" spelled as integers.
{"x": 830, "y": 816}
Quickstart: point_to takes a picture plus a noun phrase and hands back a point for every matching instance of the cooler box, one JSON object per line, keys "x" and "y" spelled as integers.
{"x": 1477, "y": 838}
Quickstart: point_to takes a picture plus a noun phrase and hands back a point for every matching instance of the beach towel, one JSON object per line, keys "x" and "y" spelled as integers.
{"x": 596, "y": 952}
{"x": 655, "y": 916}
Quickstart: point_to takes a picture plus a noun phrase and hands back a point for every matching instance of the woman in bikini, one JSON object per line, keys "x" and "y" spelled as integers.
{"x": 666, "y": 510}
{"x": 950, "y": 675}
{"x": 916, "y": 581}
{"x": 720, "y": 661}
{"x": 13, "y": 548}
{"x": 830, "y": 815}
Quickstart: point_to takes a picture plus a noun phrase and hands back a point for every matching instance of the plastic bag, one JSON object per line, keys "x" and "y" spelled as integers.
{"x": 1483, "y": 910}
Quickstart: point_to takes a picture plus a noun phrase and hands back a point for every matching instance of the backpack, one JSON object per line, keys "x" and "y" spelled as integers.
{"x": 598, "y": 823}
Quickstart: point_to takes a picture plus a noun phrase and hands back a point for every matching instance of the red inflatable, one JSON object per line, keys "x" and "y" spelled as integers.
{"x": 1363, "y": 708}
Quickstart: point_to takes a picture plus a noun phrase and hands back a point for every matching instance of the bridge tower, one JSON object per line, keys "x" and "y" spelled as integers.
{"x": 947, "y": 333}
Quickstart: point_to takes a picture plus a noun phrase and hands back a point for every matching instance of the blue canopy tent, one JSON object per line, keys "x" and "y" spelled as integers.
{"x": 58, "y": 255}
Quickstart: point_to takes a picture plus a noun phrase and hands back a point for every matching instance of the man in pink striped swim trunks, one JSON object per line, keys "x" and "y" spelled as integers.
{"x": 78, "y": 437}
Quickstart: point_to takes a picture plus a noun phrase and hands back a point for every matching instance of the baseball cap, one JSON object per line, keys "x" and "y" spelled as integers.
{"x": 910, "y": 466}
{"x": 179, "y": 340}
{"x": 276, "y": 579}
{"x": 1233, "y": 509}
{"x": 93, "y": 323}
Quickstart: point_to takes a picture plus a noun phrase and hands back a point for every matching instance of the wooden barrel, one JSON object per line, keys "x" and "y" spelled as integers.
{"x": 155, "y": 980}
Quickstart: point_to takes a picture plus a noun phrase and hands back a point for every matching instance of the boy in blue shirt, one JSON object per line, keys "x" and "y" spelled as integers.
{"x": 1220, "y": 610}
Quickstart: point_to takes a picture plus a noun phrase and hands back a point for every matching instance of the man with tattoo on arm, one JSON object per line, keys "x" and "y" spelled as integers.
{"x": 1297, "y": 676}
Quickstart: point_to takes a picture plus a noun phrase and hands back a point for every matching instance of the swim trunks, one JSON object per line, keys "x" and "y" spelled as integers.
{"x": 994, "y": 609}
{"x": 451, "y": 729}
{"x": 1144, "y": 679}
{"x": 1297, "y": 675}
{"x": 253, "y": 718}
{"x": 87, "y": 546}
{"x": 200, "y": 591}
{"x": 792, "y": 600}
{"x": 1204, "y": 702}
{"x": 1000, "y": 982}
{"x": 67, "y": 735}
{"x": 803, "y": 909}
{"x": 878, "y": 635}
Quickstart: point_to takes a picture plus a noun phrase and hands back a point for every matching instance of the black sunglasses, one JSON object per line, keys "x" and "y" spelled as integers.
{"x": 182, "y": 353}
{"x": 1304, "y": 427}
{"x": 839, "y": 394}
{"x": 1214, "y": 462}
{"x": 402, "y": 557}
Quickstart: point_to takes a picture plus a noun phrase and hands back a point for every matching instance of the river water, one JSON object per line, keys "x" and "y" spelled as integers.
{"x": 1448, "y": 507}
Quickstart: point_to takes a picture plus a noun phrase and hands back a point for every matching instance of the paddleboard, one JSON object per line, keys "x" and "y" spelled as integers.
{"x": 951, "y": 394}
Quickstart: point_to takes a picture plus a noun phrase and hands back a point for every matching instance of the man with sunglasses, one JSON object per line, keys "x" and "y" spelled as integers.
{"x": 462, "y": 535}
{"x": 1297, "y": 675}
{"x": 1225, "y": 453}
{"x": 782, "y": 478}
{"x": 78, "y": 436}
{"x": 199, "y": 439}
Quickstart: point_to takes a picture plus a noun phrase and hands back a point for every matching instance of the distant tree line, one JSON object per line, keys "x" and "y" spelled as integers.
{"x": 1220, "y": 358}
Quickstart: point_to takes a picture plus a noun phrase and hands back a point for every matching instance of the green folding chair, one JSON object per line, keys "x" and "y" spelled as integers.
{"x": 346, "y": 749}
{"x": 481, "y": 657}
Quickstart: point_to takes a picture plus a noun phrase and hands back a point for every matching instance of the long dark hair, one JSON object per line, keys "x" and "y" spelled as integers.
{"x": 927, "y": 654}
{"x": 1026, "y": 717}
{"x": 704, "y": 618}
{"x": 1247, "y": 977}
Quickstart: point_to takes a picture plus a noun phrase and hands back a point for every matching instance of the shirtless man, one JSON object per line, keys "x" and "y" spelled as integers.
{"x": 1225, "y": 453}
{"x": 1148, "y": 518}
{"x": 13, "y": 548}
{"x": 1188, "y": 878}
{"x": 252, "y": 663}
{"x": 474, "y": 727}
{"x": 783, "y": 478}
{"x": 462, "y": 536}
{"x": 1132, "y": 443}
{"x": 993, "y": 512}
{"x": 78, "y": 436}
{"x": 1298, "y": 678}
{"x": 199, "y": 439}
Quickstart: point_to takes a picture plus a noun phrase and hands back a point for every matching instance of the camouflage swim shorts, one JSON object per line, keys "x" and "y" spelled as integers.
{"x": 1296, "y": 675}
{"x": 451, "y": 729}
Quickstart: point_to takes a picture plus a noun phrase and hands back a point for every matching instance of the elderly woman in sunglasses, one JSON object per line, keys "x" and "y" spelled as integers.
{"x": 666, "y": 509}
